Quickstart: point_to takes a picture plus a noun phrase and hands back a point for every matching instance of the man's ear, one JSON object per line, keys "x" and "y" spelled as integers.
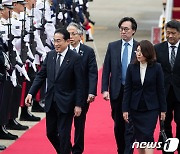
{"x": 68, "y": 41}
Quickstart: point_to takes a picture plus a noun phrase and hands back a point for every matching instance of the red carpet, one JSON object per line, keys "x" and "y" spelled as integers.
{"x": 99, "y": 138}
{"x": 176, "y": 10}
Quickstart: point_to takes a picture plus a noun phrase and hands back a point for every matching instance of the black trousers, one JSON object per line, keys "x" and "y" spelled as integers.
{"x": 16, "y": 97}
{"x": 5, "y": 102}
{"x": 173, "y": 106}
{"x": 123, "y": 131}
{"x": 58, "y": 127}
{"x": 79, "y": 125}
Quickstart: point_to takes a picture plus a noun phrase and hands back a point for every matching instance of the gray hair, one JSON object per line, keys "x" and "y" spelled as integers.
{"x": 77, "y": 26}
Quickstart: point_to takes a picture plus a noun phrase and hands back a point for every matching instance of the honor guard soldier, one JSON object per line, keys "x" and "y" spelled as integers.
{"x": 2, "y": 72}
{"x": 43, "y": 34}
{"x": 21, "y": 45}
{"x": 15, "y": 87}
{"x": 38, "y": 46}
{"x": 5, "y": 74}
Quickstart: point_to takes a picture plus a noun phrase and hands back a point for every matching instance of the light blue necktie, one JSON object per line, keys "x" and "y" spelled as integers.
{"x": 124, "y": 62}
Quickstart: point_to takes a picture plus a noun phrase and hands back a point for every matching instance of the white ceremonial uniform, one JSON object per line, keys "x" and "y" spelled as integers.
{"x": 49, "y": 27}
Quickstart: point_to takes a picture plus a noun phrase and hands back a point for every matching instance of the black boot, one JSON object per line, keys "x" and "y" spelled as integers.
{"x": 27, "y": 116}
{"x": 36, "y": 107}
{"x": 5, "y": 135}
{"x": 2, "y": 147}
{"x": 14, "y": 125}
{"x": 92, "y": 22}
{"x": 88, "y": 39}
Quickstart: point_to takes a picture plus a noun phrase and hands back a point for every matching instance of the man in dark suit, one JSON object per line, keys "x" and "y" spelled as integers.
{"x": 64, "y": 97}
{"x": 168, "y": 54}
{"x": 90, "y": 82}
{"x": 113, "y": 80}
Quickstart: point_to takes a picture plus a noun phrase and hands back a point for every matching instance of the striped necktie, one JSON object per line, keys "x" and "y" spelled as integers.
{"x": 172, "y": 60}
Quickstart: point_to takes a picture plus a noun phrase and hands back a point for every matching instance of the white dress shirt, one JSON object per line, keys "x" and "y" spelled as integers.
{"x": 143, "y": 71}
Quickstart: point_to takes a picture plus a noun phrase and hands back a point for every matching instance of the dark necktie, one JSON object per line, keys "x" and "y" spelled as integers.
{"x": 124, "y": 62}
{"x": 58, "y": 59}
{"x": 74, "y": 50}
{"x": 172, "y": 60}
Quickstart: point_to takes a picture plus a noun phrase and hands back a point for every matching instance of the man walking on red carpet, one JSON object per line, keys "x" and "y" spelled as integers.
{"x": 168, "y": 54}
{"x": 119, "y": 54}
{"x": 90, "y": 81}
{"x": 64, "y": 97}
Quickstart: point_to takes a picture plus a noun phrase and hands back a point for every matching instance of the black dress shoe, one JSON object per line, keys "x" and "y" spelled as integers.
{"x": 88, "y": 39}
{"x": 14, "y": 125}
{"x": 4, "y": 134}
{"x": 8, "y": 136}
{"x": 29, "y": 117}
{"x": 92, "y": 22}
{"x": 2, "y": 147}
{"x": 37, "y": 107}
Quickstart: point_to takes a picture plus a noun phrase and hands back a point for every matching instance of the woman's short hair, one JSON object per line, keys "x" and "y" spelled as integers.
{"x": 148, "y": 51}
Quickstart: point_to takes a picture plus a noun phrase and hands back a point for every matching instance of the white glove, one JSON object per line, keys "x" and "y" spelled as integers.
{"x": 60, "y": 16}
{"x": 13, "y": 78}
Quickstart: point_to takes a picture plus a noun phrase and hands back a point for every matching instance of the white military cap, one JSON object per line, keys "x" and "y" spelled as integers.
{"x": 19, "y": 1}
{"x": 1, "y": 7}
{"x": 7, "y": 2}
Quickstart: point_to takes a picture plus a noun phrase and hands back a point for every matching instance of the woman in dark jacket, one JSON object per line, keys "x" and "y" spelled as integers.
{"x": 144, "y": 94}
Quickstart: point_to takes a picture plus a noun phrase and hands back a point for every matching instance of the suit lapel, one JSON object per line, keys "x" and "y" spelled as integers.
{"x": 118, "y": 52}
{"x": 147, "y": 74}
{"x": 64, "y": 63}
{"x": 165, "y": 53}
{"x": 81, "y": 50}
{"x": 138, "y": 73}
{"x": 177, "y": 57}
{"x": 53, "y": 62}
{"x": 133, "y": 49}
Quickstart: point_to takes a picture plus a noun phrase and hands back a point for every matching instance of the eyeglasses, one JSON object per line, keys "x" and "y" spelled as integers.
{"x": 73, "y": 33}
{"x": 138, "y": 52}
{"x": 126, "y": 29}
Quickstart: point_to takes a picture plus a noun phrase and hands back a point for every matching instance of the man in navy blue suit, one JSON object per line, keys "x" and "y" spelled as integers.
{"x": 168, "y": 54}
{"x": 64, "y": 96}
{"x": 119, "y": 54}
{"x": 90, "y": 82}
